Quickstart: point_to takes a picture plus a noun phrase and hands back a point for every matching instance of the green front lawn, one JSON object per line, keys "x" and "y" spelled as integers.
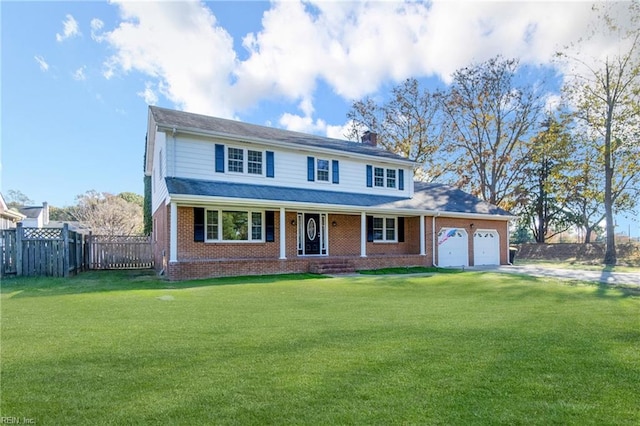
{"x": 464, "y": 348}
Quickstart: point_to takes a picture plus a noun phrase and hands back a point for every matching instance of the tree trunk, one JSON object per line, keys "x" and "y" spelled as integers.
{"x": 610, "y": 257}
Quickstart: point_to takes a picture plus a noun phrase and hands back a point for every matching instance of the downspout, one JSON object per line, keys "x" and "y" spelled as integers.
{"x": 433, "y": 238}
{"x": 509, "y": 243}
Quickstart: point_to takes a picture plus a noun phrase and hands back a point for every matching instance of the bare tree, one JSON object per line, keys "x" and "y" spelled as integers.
{"x": 108, "y": 214}
{"x": 490, "y": 121}
{"x": 408, "y": 124}
{"x": 605, "y": 93}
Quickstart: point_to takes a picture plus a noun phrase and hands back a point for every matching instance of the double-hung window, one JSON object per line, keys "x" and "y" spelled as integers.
{"x": 234, "y": 225}
{"x": 236, "y": 160}
{"x": 254, "y": 162}
{"x": 391, "y": 178}
{"x": 384, "y": 229}
{"x": 378, "y": 176}
{"x": 323, "y": 170}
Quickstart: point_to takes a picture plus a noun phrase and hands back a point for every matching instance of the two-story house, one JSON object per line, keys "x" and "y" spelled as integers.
{"x": 231, "y": 198}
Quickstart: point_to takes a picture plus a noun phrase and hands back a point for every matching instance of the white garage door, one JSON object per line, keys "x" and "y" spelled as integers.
{"x": 453, "y": 247}
{"x": 486, "y": 247}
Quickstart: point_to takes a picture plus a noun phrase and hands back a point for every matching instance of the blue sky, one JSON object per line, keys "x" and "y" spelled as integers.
{"x": 77, "y": 76}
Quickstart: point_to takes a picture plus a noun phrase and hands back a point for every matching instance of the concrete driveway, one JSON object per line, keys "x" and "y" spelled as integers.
{"x": 613, "y": 278}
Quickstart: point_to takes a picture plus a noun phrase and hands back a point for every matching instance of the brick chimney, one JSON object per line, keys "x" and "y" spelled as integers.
{"x": 370, "y": 138}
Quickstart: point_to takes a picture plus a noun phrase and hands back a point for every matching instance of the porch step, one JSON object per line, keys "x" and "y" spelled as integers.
{"x": 332, "y": 266}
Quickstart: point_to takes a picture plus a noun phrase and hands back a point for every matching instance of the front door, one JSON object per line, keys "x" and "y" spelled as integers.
{"x": 312, "y": 234}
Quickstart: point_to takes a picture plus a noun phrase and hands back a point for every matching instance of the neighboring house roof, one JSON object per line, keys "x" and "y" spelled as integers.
{"x": 31, "y": 212}
{"x": 10, "y": 214}
{"x": 185, "y": 121}
{"x": 427, "y": 197}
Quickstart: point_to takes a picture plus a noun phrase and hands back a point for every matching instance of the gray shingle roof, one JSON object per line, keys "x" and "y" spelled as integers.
{"x": 196, "y": 122}
{"x": 433, "y": 197}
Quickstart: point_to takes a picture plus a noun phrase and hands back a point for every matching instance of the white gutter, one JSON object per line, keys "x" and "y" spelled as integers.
{"x": 275, "y": 143}
{"x": 204, "y": 200}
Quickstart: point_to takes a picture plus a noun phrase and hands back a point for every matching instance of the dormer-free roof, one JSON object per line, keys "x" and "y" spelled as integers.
{"x": 180, "y": 121}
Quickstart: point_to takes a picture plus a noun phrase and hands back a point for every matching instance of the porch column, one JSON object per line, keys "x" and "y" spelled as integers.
{"x": 173, "y": 233}
{"x": 363, "y": 234}
{"x": 422, "y": 237}
{"x": 283, "y": 235}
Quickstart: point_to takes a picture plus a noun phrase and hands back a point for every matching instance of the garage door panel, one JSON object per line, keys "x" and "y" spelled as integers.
{"x": 453, "y": 247}
{"x": 486, "y": 247}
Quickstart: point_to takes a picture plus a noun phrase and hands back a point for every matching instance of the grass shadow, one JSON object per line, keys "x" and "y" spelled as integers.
{"x": 106, "y": 281}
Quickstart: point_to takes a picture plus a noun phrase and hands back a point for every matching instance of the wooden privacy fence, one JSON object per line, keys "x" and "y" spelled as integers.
{"x": 119, "y": 252}
{"x": 51, "y": 252}
{"x": 60, "y": 252}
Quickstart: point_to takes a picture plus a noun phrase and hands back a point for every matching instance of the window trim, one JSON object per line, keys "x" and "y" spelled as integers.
{"x": 245, "y": 161}
{"x": 384, "y": 239}
{"x": 377, "y": 178}
{"x": 327, "y": 170}
{"x": 249, "y": 212}
{"x": 389, "y": 179}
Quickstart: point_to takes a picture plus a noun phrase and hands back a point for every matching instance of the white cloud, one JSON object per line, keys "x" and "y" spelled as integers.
{"x": 181, "y": 46}
{"x": 96, "y": 26}
{"x": 79, "y": 74}
{"x": 298, "y": 123}
{"x": 149, "y": 95}
{"x": 355, "y": 48}
{"x": 44, "y": 66}
{"x": 70, "y": 29}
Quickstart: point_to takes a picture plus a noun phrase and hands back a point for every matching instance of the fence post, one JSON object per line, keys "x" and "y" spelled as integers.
{"x": 19, "y": 236}
{"x": 66, "y": 253}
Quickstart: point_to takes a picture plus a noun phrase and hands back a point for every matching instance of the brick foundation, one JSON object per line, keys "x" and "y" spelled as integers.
{"x": 193, "y": 269}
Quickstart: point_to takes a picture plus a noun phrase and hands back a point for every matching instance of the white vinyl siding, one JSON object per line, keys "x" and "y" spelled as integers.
{"x": 194, "y": 158}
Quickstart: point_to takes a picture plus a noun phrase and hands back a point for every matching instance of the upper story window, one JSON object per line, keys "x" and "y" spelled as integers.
{"x": 323, "y": 170}
{"x": 391, "y": 178}
{"x": 385, "y": 178}
{"x": 236, "y": 160}
{"x": 254, "y": 162}
{"x": 378, "y": 176}
{"x": 257, "y": 162}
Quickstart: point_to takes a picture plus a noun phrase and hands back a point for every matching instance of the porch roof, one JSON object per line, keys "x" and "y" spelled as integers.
{"x": 428, "y": 197}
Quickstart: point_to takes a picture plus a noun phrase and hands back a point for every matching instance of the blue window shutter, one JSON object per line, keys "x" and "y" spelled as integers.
{"x": 219, "y": 158}
{"x": 270, "y": 165}
{"x": 336, "y": 171}
{"x": 370, "y": 229}
{"x": 311, "y": 173}
{"x": 401, "y": 180}
{"x": 369, "y": 176}
{"x": 401, "y": 229}
{"x": 198, "y": 224}
{"x": 270, "y": 227}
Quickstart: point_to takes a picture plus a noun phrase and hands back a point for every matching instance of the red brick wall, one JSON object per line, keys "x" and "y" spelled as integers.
{"x": 161, "y": 237}
{"x": 190, "y": 250}
{"x": 220, "y": 268}
{"x": 196, "y": 260}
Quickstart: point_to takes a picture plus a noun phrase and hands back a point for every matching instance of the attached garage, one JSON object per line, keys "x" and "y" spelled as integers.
{"x": 453, "y": 247}
{"x": 486, "y": 247}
